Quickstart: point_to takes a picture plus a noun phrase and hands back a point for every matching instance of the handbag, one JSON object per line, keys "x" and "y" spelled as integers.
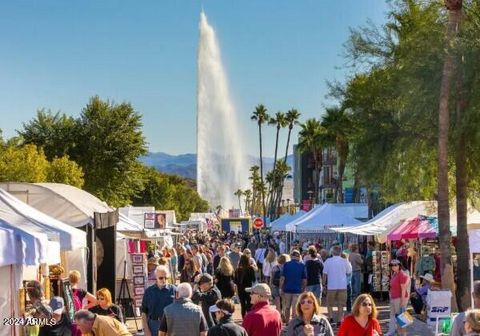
{"x": 404, "y": 319}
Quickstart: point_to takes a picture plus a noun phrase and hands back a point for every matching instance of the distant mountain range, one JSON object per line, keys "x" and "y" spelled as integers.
{"x": 185, "y": 165}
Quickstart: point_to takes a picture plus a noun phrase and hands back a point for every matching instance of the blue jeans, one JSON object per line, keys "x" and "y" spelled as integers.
{"x": 356, "y": 283}
{"x": 316, "y": 290}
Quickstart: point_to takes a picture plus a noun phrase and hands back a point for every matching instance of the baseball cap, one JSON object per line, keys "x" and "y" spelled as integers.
{"x": 205, "y": 278}
{"x": 57, "y": 304}
{"x": 261, "y": 289}
{"x": 215, "y": 308}
{"x": 394, "y": 262}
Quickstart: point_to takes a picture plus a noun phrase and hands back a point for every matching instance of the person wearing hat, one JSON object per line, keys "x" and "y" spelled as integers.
{"x": 205, "y": 295}
{"x": 223, "y": 311}
{"x": 61, "y": 325}
{"x": 152, "y": 264}
{"x": 418, "y": 299}
{"x": 262, "y": 319}
{"x": 399, "y": 286}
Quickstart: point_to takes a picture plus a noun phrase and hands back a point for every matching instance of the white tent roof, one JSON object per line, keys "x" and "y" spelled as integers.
{"x": 70, "y": 238}
{"x": 66, "y": 203}
{"x": 280, "y": 224}
{"x": 389, "y": 218}
{"x": 306, "y": 216}
{"x": 326, "y": 217}
{"x": 31, "y": 247}
{"x": 8, "y": 247}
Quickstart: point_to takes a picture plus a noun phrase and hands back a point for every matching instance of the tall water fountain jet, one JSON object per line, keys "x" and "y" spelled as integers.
{"x": 221, "y": 159}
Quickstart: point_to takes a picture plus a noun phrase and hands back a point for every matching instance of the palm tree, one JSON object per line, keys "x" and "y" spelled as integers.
{"x": 239, "y": 194}
{"x": 248, "y": 198}
{"x": 338, "y": 124}
{"x": 292, "y": 117}
{"x": 313, "y": 138}
{"x": 260, "y": 116}
{"x": 280, "y": 121}
{"x": 454, "y": 17}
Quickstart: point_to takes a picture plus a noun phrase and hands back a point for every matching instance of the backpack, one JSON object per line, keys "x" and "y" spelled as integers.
{"x": 276, "y": 273}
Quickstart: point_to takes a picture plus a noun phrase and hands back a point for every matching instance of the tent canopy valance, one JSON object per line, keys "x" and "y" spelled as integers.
{"x": 418, "y": 227}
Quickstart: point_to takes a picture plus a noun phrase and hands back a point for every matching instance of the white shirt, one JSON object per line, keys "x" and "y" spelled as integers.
{"x": 336, "y": 268}
{"x": 282, "y": 247}
{"x": 267, "y": 268}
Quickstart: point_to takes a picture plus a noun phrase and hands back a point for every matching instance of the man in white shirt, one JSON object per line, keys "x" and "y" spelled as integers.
{"x": 335, "y": 277}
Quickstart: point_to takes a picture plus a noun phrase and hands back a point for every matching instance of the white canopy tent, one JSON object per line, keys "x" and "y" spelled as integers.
{"x": 326, "y": 217}
{"x": 280, "y": 224}
{"x": 389, "y": 218}
{"x": 291, "y": 226}
{"x": 66, "y": 203}
{"x": 20, "y": 246}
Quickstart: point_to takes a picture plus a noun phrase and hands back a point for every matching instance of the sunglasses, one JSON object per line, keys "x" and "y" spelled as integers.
{"x": 306, "y": 301}
{"x": 161, "y": 278}
{"x": 366, "y": 304}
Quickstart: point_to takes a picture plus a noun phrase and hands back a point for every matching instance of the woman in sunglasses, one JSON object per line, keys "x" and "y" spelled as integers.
{"x": 105, "y": 305}
{"x": 309, "y": 321}
{"x": 363, "y": 320}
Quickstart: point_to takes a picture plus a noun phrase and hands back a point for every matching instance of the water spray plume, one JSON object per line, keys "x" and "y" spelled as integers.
{"x": 221, "y": 158}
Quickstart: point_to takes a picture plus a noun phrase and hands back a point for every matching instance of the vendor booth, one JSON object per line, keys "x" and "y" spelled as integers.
{"x": 82, "y": 210}
{"x": 29, "y": 239}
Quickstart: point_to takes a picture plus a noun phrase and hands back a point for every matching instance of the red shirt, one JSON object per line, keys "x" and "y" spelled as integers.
{"x": 401, "y": 278}
{"x": 262, "y": 320}
{"x": 350, "y": 327}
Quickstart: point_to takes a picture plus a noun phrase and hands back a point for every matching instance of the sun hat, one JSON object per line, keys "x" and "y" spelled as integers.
{"x": 261, "y": 289}
{"x": 394, "y": 262}
{"x": 427, "y": 277}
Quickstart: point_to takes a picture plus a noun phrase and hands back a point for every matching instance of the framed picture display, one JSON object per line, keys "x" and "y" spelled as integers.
{"x": 139, "y": 291}
{"x": 138, "y": 302}
{"x": 138, "y": 270}
{"x": 137, "y": 258}
{"x": 139, "y": 280}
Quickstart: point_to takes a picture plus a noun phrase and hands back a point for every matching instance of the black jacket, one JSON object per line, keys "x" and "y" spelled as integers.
{"x": 226, "y": 327}
{"x": 206, "y": 300}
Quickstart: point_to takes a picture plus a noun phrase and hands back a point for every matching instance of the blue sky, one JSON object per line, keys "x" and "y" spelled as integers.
{"x": 57, "y": 54}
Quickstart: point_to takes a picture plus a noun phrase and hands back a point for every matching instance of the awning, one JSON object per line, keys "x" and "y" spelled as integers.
{"x": 70, "y": 238}
{"x": 415, "y": 228}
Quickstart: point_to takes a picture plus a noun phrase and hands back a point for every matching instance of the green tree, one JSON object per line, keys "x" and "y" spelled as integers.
{"x": 248, "y": 199}
{"x": 260, "y": 116}
{"x": 168, "y": 192}
{"x": 23, "y": 164}
{"x": 110, "y": 142}
{"x": 279, "y": 121}
{"x": 312, "y": 138}
{"x": 292, "y": 118}
{"x": 338, "y": 125}
{"x": 239, "y": 194}
{"x": 63, "y": 170}
{"x": 55, "y": 133}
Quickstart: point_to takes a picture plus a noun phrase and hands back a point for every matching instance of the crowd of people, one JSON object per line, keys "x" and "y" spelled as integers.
{"x": 195, "y": 286}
